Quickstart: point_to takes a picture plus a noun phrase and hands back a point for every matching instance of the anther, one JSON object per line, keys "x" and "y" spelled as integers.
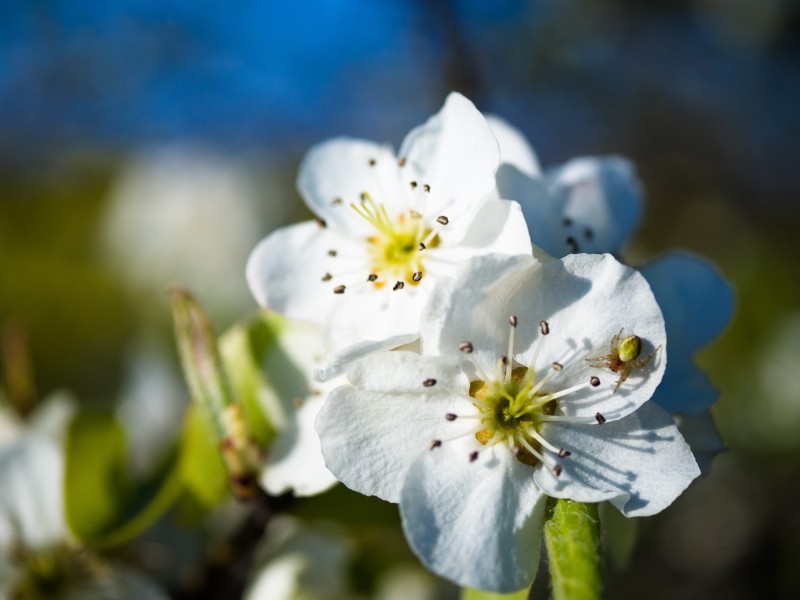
{"x": 321, "y": 222}
{"x": 339, "y": 289}
{"x": 473, "y": 456}
{"x": 413, "y": 185}
{"x": 451, "y": 416}
{"x": 594, "y": 381}
{"x": 573, "y": 245}
{"x": 402, "y": 162}
{"x": 544, "y": 327}
{"x": 442, "y": 220}
{"x": 372, "y": 162}
{"x": 465, "y": 347}
{"x": 332, "y": 253}
{"x": 567, "y": 221}
{"x": 564, "y": 453}
{"x": 513, "y": 320}
{"x": 417, "y": 276}
{"x": 336, "y": 201}
{"x": 557, "y": 470}
{"x": 426, "y": 187}
{"x": 422, "y": 246}
{"x": 372, "y": 277}
{"x": 557, "y": 366}
{"x": 327, "y": 277}
{"x": 504, "y": 360}
{"x": 600, "y": 418}
{"x": 364, "y": 196}
{"x": 429, "y": 383}
{"x": 435, "y": 444}
{"x": 398, "y": 286}
{"x": 414, "y": 214}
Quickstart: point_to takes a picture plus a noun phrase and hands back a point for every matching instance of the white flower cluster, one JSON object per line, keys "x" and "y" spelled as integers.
{"x": 463, "y": 372}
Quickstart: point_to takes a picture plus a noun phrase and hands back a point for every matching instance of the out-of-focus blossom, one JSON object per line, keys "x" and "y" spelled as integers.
{"x": 389, "y": 227}
{"x": 503, "y": 407}
{"x": 48, "y": 419}
{"x": 188, "y": 216}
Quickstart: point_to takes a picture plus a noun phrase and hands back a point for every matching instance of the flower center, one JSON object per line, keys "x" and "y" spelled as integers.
{"x": 397, "y": 249}
{"x": 45, "y": 574}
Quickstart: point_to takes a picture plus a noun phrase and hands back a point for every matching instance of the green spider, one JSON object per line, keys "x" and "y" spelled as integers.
{"x": 623, "y": 357}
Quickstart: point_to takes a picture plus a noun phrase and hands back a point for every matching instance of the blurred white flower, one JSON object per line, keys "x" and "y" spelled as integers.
{"x": 189, "y": 216}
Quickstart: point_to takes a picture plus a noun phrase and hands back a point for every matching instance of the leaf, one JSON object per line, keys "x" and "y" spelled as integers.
{"x": 470, "y": 594}
{"x": 572, "y": 537}
{"x": 95, "y": 482}
{"x": 201, "y": 468}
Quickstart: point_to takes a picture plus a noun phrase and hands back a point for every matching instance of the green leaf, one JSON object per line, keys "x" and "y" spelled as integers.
{"x": 572, "y": 537}
{"x": 201, "y": 468}
{"x": 470, "y": 594}
{"x": 95, "y": 482}
{"x": 242, "y": 349}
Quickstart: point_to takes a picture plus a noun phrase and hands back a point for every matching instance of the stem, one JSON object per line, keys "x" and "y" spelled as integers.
{"x": 572, "y": 537}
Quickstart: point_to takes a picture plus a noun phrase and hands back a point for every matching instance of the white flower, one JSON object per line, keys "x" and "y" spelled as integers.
{"x": 388, "y": 228}
{"x": 589, "y": 204}
{"x": 49, "y": 418}
{"x": 503, "y": 407}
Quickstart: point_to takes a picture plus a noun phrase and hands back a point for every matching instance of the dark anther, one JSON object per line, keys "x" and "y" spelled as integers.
{"x": 332, "y": 253}
{"x": 558, "y": 366}
{"x": 465, "y": 347}
{"x": 429, "y": 382}
{"x": 364, "y": 196}
{"x": 413, "y": 185}
{"x": 567, "y": 221}
{"x": 557, "y": 470}
{"x": 399, "y": 286}
{"x": 372, "y": 162}
{"x": 426, "y": 187}
{"x": 504, "y": 360}
{"x": 336, "y": 201}
{"x": 563, "y": 453}
{"x": 442, "y": 220}
{"x": 339, "y": 289}
{"x": 594, "y": 381}
{"x": 436, "y": 444}
{"x": 402, "y": 162}
{"x": 473, "y": 456}
{"x": 451, "y": 416}
{"x": 513, "y": 320}
{"x": 417, "y": 276}
{"x": 321, "y": 222}
{"x": 600, "y": 418}
{"x": 327, "y": 277}
{"x": 573, "y": 245}
{"x": 588, "y": 233}
{"x": 422, "y": 246}
{"x": 372, "y": 277}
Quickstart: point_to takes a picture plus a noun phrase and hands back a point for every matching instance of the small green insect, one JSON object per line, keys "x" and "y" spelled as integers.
{"x": 623, "y": 357}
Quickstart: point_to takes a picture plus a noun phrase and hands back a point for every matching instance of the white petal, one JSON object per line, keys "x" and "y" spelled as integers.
{"x": 514, "y": 148}
{"x": 53, "y": 415}
{"x": 596, "y": 201}
{"x": 335, "y": 173}
{"x": 696, "y": 300}
{"x": 295, "y": 460}
{"x": 456, "y": 153}
{"x": 700, "y": 432}
{"x": 343, "y": 359}
{"x": 286, "y": 269}
{"x": 640, "y": 463}
{"x": 585, "y": 299}
{"x": 478, "y": 523}
{"x": 31, "y": 497}
{"x": 371, "y": 433}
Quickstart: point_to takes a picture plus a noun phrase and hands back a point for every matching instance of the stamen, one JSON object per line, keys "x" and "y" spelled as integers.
{"x": 413, "y": 185}
{"x": 429, "y": 382}
{"x": 372, "y": 162}
{"x": 451, "y": 416}
{"x": 573, "y": 245}
{"x": 466, "y": 347}
{"x": 422, "y": 246}
{"x": 600, "y": 418}
{"x": 594, "y": 381}
{"x": 442, "y": 220}
{"x": 473, "y": 456}
{"x": 372, "y": 277}
{"x": 571, "y": 390}
{"x": 339, "y": 289}
{"x": 327, "y": 277}
{"x": 336, "y": 201}
{"x": 399, "y": 286}
{"x": 414, "y": 214}
{"x": 332, "y": 253}
{"x": 417, "y": 276}
{"x": 402, "y": 162}
{"x": 321, "y": 222}
{"x": 426, "y": 187}
{"x": 435, "y": 444}
{"x": 558, "y": 366}
{"x": 513, "y": 322}
{"x": 524, "y": 443}
{"x": 539, "y": 438}
{"x": 544, "y": 327}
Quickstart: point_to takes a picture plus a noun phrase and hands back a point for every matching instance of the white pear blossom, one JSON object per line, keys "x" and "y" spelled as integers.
{"x": 49, "y": 418}
{"x": 502, "y": 407}
{"x": 588, "y": 204}
{"x": 388, "y": 227}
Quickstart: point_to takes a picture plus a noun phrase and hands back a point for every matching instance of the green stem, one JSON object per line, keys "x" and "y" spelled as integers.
{"x": 572, "y": 537}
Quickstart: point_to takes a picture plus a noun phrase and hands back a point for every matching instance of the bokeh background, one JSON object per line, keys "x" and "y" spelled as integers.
{"x": 145, "y": 143}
